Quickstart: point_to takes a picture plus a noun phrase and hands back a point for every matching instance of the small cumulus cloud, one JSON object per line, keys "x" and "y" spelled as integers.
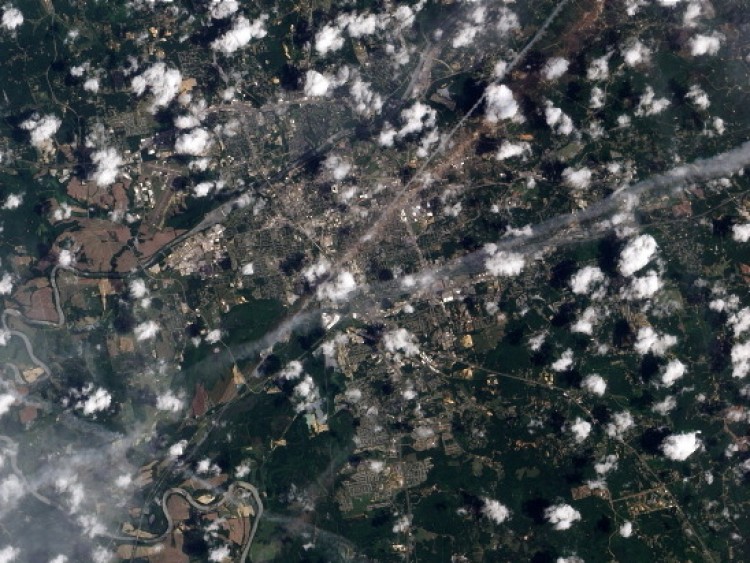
{"x": 503, "y": 263}
{"x": 562, "y": 516}
{"x": 594, "y": 383}
{"x": 678, "y": 447}
{"x": 500, "y": 103}
{"x": 637, "y": 253}
{"x": 495, "y": 511}
{"x": 240, "y": 34}
{"x": 12, "y": 18}
{"x": 705, "y": 44}
{"x": 401, "y": 340}
{"x": 42, "y": 129}
{"x": 554, "y": 68}
{"x": 146, "y": 330}
{"x": 163, "y": 83}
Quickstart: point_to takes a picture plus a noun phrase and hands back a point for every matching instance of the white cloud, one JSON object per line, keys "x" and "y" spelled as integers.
{"x": 328, "y": 39}
{"x": 178, "y": 448}
{"x": 186, "y": 121}
{"x": 637, "y": 253}
{"x": 164, "y": 84}
{"x": 594, "y": 383}
{"x": 536, "y": 342}
{"x": 316, "y": 84}
{"x": 642, "y": 288}
{"x": 376, "y": 465}
{"x": 316, "y": 271}
{"x": 511, "y": 150}
{"x": 665, "y": 406}
{"x": 107, "y": 164}
{"x": 338, "y": 290}
{"x": 503, "y": 263}
{"x": 599, "y": 68}
{"x": 580, "y": 429}
{"x": 561, "y": 516}
{"x": 240, "y": 34}
{"x": 79, "y": 70}
{"x": 219, "y": 554}
{"x": 146, "y": 330}
{"x": 91, "y": 85}
{"x": 564, "y": 363}
{"x": 220, "y": 9}
{"x": 634, "y": 52}
{"x": 729, "y": 304}
{"x": 366, "y": 101}
{"x": 360, "y": 25}
{"x": 718, "y": 125}
{"x": 169, "y": 402}
{"x": 203, "y": 189}
{"x": 12, "y": 18}
{"x": 292, "y": 371}
{"x": 65, "y": 258}
{"x": 648, "y": 340}
{"x": 589, "y": 279}
{"x": 6, "y": 401}
{"x": 649, "y": 104}
{"x": 705, "y": 44}
{"x": 6, "y": 284}
{"x": 8, "y": 554}
{"x": 14, "y": 201}
{"x": 402, "y": 524}
{"x": 193, "y": 143}
{"x": 59, "y": 559}
{"x": 387, "y": 136}
{"x": 577, "y": 178}
{"x": 499, "y": 103}
{"x": 495, "y": 511}
{"x": 621, "y": 423}
{"x": 626, "y": 530}
{"x": 306, "y": 395}
{"x": 507, "y": 21}
{"x": 96, "y": 400}
{"x": 401, "y": 340}
{"x": 405, "y": 14}
{"x": 68, "y": 483}
{"x": 585, "y": 323}
{"x": 606, "y": 465}
{"x": 417, "y": 117}
{"x": 101, "y": 555}
{"x": 741, "y": 359}
{"x": 595, "y": 102}
{"x": 124, "y": 481}
{"x": 465, "y": 35}
{"x": 42, "y": 128}
{"x": 554, "y": 68}
{"x": 740, "y": 321}
{"x": 91, "y": 526}
{"x": 138, "y": 289}
{"x": 213, "y": 336}
{"x": 248, "y": 269}
{"x": 678, "y": 447}
{"x": 698, "y": 97}
{"x": 673, "y": 371}
{"x": 741, "y": 233}
{"x": 338, "y": 167}
{"x": 558, "y": 120}
{"x": 11, "y": 490}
